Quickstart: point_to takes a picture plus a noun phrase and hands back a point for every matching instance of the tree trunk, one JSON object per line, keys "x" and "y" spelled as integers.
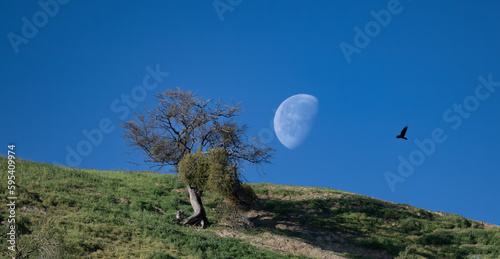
{"x": 199, "y": 216}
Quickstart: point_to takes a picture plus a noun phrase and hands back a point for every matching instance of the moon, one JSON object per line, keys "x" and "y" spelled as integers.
{"x": 294, "y": 119}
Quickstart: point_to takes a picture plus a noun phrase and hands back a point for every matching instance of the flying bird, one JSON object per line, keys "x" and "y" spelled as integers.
{"x": 403, "y": 132}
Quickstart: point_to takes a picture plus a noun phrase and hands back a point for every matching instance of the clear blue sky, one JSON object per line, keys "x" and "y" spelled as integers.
{"x": 65, "y": 68}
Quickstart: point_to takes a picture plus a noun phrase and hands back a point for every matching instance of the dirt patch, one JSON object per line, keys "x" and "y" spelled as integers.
{"x": 179, "y": 190}
{"x": 33, "y": 209}
{"x": 322, "y": 239}
{"x": 486, "y": 225}
{"x": 123, "y": 200}
{"x": 267, "y": 219}
{"x": 301, "y": 196}
{"x": 280, "y": 244}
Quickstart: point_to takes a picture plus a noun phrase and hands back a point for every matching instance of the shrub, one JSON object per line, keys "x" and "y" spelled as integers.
{"x": 437, "y": 238}
{"x": 392, "y": 246}
{"x": 410, "y": 225}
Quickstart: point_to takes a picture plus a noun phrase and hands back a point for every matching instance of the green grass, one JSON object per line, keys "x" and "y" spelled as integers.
{"x": 73, "y": 213}
{"x": 394, "y": 228}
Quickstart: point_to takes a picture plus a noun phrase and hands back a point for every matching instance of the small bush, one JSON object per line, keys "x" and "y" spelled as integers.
{"x": 247, "y": 197}
{"x": 437, "y": 238}
{"x": 162, "y": 255}
{"x": 261, "y": 191}
{"x": 393, "y": 247}
{"x": 410, "y": 225}
{"x": 286, "y": 192}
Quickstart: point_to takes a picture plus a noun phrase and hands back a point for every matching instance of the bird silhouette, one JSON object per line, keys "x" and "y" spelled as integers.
{"x": 403, "y": 132}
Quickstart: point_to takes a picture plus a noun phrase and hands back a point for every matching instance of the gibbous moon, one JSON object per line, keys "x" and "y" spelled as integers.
{"x": 294, "y": 118}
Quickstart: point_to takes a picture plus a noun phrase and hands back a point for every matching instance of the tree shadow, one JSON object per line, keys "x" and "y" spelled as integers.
{"x": 313, "y": 222}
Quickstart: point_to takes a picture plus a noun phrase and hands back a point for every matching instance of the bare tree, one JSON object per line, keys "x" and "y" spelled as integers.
{"x": 182, "y": 124}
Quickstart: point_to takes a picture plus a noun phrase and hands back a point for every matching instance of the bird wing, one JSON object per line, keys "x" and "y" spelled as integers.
{"x": 403, "y": 132}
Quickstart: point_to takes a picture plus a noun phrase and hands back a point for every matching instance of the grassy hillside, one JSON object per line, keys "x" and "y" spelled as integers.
{"x": 73, "y": 213}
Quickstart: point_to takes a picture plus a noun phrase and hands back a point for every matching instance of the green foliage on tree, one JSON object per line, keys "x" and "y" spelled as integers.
{"x": 211, "y": 171}
{"x": 182, "y": 123}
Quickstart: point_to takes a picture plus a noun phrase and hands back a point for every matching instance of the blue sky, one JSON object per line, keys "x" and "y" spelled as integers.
{"x": 68, "y": 67}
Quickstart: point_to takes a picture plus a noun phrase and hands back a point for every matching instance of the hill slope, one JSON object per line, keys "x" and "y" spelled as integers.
{"x": 73, "y": 213}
